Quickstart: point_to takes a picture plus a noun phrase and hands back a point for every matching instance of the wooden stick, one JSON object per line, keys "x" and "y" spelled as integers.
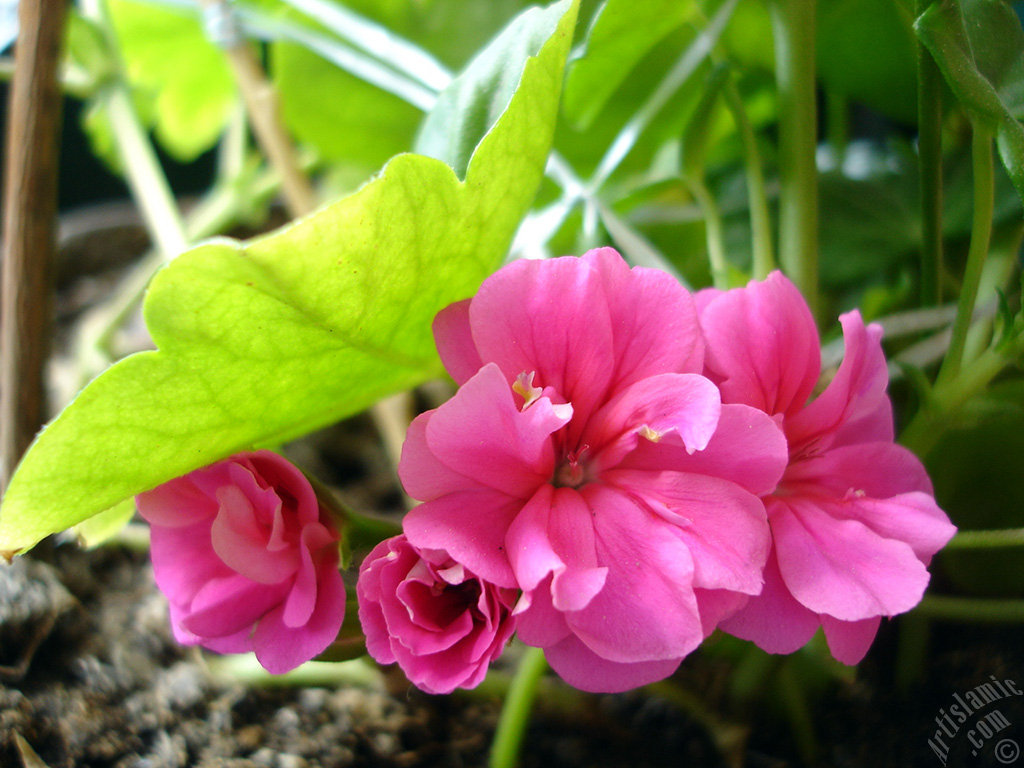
{"x": 29, "y": 239}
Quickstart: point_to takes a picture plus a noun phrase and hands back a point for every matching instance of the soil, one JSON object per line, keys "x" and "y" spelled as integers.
{"x": 90, "y": 676}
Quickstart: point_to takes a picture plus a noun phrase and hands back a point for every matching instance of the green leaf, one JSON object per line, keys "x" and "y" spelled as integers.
{"x": 623, "y": 33}
{"x": 979, "y": 46}
{"x": 100, "y": 528}
{"x": 866, "y": 51}
{"x": 468, "y": 108}
{"x": 262, "y": 341}
{"x": 699, "y": 133}
{"x": 359, "y": 124}
{"x": 168, "y": 55}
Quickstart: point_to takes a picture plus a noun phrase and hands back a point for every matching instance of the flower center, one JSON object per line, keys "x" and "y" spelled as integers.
{"x": 572, "y": 471}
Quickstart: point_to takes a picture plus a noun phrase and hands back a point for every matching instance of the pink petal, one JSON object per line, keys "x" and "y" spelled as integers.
{"x": 716, "y": 605}
{"x": 646, "y": 610}
{"x": 281, "y": 648}
{"x": 849, "y": 641}
{"x": 840, "y": 566}
{"x": 877, "y": 469}
{"x": 724, "y": 527}
{"x": 653, "y": 320}
{"x": 540, "y": 623}
{"x": 855, "y": 396}
{"x": 762, "y": 345}
{"x": 554, "y": 535}
{"x": 241, "y": 542}
{"x": 471, "y": 526}
{"x": 913, "y": 518}
{"x": 423, "y": 475}
{"x": 317, "y": 550}
{"x": 176, "y": 503}
{"x": 280, "y": 475}
{"x": 579, "y": 666}
{"x": 687, "y": 405}
{"x": 773, "y": 620}
{"x": 180, "y": 578}
{"x": 229, "y": 605}
{"x": 549, "y": 317}
{"x": 748, "y": 448}
{"x": 455, "y": 344}
{"x": 481, "y": 433}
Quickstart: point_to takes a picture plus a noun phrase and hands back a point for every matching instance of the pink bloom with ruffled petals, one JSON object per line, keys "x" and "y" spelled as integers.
{"x": 854, "y": 522}
{"x": 585, "y": 461}
{"x": 443, "y": 625}
{"x": 248, "y": 560}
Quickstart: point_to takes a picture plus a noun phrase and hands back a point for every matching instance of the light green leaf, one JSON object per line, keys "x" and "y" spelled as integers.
{"x": 979, "y": 46}
{"x": 623, "y": 32}
{"x": 168, "y": 55}
{"x": 100, "y": 528}
{"x": 468, "y": 108}
{"x": 262, "y": 341}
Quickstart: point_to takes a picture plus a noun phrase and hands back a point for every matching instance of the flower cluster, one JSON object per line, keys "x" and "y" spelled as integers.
{"x": 624, "y": 469}
{"x": 641, "y": 468}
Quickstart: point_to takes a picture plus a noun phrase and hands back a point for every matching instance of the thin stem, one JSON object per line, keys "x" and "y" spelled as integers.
{"x": 760, "y": 220}
{"x": 981, "y": 233}
{"x": 713, "y": 230}
{"x": 929, "y": 150}
{"x": 1005, "y": 537}
{"x": 515, "y": 714}
{"x": 972, "y": 609}
{"x": 793, "y": 26}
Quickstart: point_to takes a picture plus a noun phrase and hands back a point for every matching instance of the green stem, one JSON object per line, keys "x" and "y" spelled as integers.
{"x": 1005, "y": 537}
{"x": 760, "y": 220}
{"x": 972, "y": 609}
{"x": 929, "y": 149}
{"x": 793, "y": 26}
{"x": 714, "y": 232}
{"x": 143, "y": 172}
{"x": 927, "y": 426}
{"x": 981, "y": 232}
{"x": 515, "y": 714}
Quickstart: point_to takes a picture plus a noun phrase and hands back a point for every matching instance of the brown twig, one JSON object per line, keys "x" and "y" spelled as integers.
{"x": 29, "y": 241}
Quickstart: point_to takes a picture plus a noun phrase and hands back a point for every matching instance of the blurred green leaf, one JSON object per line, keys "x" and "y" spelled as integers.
{"x": 623, "y": 32}
{"x": 979, "y": 46}
{"x": 168, "y": 57}
{"x": 100, "y": 528}
{"x": 866, "y": 51}
{"x": 262, "y": 341}
{"x": 473, "y": 102}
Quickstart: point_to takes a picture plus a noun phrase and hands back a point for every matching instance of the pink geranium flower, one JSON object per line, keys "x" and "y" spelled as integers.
{"x": 443, "y": 625}
{"x": 585, "y": 461}
{"x": 248, "y": 560}
{"x": 854, "y": 522}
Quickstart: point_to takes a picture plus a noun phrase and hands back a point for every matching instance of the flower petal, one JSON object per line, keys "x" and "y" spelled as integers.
{"x": 773, "y": 620}
{"x": 876, "y": 469}
{"x": 455, "y": 345}
{"x": 762, "y": 345}
{"x": 581, "y": 668}
{"x": 837, "y": 565}
{"x": 646, "y": 610}
{"x": 849, "y": 641}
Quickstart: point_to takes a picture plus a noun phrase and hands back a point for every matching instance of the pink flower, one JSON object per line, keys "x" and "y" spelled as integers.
{"x": 585, "y": 461}
{"x": 443, "y": 625}
{"x": 853, "y": 521}
{"x": 248, "y": 560}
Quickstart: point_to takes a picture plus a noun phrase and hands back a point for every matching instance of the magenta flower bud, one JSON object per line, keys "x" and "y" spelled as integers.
{"x": 248, "y": 559}
{"x": 443, "y": 625}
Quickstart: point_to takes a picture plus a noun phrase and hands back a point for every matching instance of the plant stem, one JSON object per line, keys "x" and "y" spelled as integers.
{"x": 29, "y": 237}
{"x": 838, "y": 124}
{"x": 929, "y": 149}
{"x": 713, "y": 232}
{"x": 515, "y": 714}
{"x": 981, "y": 232}
{"x": 760, "y": 220}
{"x": 793, "y": 26}
{"x": 1005, "y": 537}
{"x": 972, "y": 609}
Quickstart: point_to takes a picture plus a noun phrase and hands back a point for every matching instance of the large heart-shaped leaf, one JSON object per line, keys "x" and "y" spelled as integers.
{"x": 263, "y": 341}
